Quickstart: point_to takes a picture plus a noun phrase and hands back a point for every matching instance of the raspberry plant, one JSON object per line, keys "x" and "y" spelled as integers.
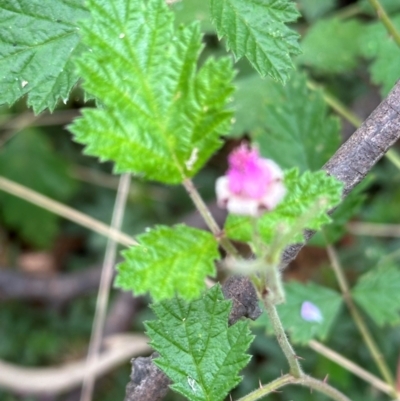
{"x": 161, "y": 112}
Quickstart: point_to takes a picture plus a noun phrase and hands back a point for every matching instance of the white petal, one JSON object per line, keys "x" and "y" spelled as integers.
{"x": 243, "y": 206}
{"x": 276, "y": 171}
{"x": 222, "y": 190}
{"x": 276, "y": 192}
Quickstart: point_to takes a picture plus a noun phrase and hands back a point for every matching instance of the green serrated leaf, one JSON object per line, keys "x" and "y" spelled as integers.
{"x": 198, "y": 351}
{"x": 308, "y": 199}
{"x": 332, "y": 45}
{"x": 298, "y": 131}
{"x": 313, "y": 9}
{"x": 382, "y": 49}
{"x": 30, "y": 160}
{"x": 161, "y": 117}
{"x": 301, "y": 331}
{"x": 38, "y": 42}
{"x": 377, "y": 292}
{"x": 169, "y": 261}
{"x": 256, "y": 29}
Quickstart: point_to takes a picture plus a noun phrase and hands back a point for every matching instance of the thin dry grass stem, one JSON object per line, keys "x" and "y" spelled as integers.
{"x": 64, "y": 211}
{"x": 104, "y": 290}
{"x": 373, "y": 229}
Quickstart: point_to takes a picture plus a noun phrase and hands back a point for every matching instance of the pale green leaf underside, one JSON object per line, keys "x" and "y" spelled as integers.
{"x": 377, "y": 292}
{"x": 38, "y": 40}
{"x": 385, "y": 55}
{"x": 293, "y": 126}
{"x": 332, "y": 45}
{"x": 169, "y": 261}
{"x": 198, "y": 351}
{"x": 308, "y": 199}
{"x": 256, "y": 29}
{"x": 301, "y": 331}
{"x": 161, "y": 117}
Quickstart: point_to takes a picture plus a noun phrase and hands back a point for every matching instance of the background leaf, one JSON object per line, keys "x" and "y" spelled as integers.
{"x": 377, "y": 292}
{"x": 332, "y": 46}
{"x": 300, "y": 209}
{"x": 36, "y": 58}
{"x": 257, "y": 30}
{"x": 385, "y": 54}
{"x": 169, "y": 261}
{"x": 290, "y": 123}
{"x": 313, "y": 9}
{"x": 198, "y": 351}
{"x": 301, "y": 331}
{"x": 29, "y": 159}
{"x": 161, "y": 117}
{"x": 187, "y": 11}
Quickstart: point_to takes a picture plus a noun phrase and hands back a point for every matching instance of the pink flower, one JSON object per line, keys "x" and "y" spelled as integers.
{"x": 251, "y": 185}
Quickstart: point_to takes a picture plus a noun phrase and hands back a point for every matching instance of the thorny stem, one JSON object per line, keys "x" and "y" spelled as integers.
{"x": 304, "y": 380}
{"x": 380, "y": 11}
{"x": 359, "y": 321}
{"x": 208, "y": 218}
{"x": 295, "y": 368}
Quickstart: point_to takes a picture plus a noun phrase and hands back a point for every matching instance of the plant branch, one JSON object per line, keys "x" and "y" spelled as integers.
{"x": 305, "y": 380}
{"x": 356, "y": 157}
{"x": 382, "y": 15}
{"x": 208, "y": 218}
{"x": 359, "y": 321}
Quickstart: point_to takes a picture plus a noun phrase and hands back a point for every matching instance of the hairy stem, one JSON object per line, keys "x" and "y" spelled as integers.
{"x": 306, "y": 381}
{"x": 359, "y": 321}
{"x": 380, "y": 11}
{"x": 295, "y": 368}
{"x": 208, "y": 218}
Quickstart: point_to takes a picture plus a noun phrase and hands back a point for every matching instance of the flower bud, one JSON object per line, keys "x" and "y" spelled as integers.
{"x": 252, "y": 184}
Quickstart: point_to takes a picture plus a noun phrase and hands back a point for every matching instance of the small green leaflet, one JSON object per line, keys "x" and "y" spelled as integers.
{"x": 301, "y": 331}
{"x": 309, "y": 197}
{"x": 385, "y": 55}
{"x": 161, "y": 117}
{"x": 377, "y": 292}
{"x": 169, "y": 261}
{"x": 340, "y": 217}
{"x": 29, "y": 159}
{"x": 38, "y": 41}
{"x": 332, "y": 45}
{"x": 198, "y": 351}
{"x": 256, "y": 29}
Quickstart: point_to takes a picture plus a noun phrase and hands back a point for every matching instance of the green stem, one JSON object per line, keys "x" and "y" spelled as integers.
{"x": 359, "y": 321}
{"x": 208, "y": 218}
{"x": 380, "y": 11}
{"x": 306, "y": 381}
{"x": 295, "y": 368}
